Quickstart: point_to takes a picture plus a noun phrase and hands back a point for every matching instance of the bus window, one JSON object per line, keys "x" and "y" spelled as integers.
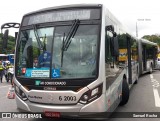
{"x": 79, "y": 60}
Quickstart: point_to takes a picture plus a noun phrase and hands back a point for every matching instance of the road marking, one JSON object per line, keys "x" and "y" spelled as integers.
{"x": 156, "y": 96}
{"x": 151, "y": 76}
{"x": 155, "y": 85}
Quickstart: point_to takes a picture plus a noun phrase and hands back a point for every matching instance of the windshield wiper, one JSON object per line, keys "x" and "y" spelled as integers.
{"x": 37, "y": 37}
{"x": 66, "y": 42}
{"x": 62, "y": 51}
{"x": 70, "y": 35}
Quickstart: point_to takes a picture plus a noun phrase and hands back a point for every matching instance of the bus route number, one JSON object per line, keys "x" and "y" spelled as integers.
{"x": 67, "y": 98}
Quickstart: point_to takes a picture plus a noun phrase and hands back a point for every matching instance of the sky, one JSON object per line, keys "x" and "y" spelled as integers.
{"x": 146, "y": 13}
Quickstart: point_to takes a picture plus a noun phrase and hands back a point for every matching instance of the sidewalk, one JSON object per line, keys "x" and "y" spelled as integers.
{"x": 4, "y": 82}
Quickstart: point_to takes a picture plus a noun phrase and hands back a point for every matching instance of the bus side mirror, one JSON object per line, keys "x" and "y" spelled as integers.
{"x": 114, "y": 47}
{"x": 5, "y": 39}
{"x": 114, "y": 34}
{"x": 109, "y": 28}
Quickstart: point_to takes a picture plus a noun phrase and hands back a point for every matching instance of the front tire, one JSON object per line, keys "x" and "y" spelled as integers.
{"x": 125, "y": 92}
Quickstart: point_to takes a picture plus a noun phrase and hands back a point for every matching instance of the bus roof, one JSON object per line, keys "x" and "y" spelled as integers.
{"x": 65, "y": 6}
{"x": 145, "y": 41}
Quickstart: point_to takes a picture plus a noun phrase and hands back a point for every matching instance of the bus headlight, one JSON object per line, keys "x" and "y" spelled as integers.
{"x": 20, "y": 93}
{"x": 91, "y": 94}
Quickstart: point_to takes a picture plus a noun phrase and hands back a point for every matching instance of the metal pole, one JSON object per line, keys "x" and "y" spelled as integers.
{"x": 136, "y": 30}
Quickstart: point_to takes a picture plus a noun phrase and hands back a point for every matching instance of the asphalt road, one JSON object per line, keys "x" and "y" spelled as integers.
{"x": 144, "y": 97}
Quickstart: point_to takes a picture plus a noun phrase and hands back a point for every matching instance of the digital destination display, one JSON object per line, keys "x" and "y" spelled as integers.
{"x": 63, "y": 15}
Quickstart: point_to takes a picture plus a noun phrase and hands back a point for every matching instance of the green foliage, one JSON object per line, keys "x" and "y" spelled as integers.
{"x": 10, "y": 46}
{"x": 153, "y": 38}
{"x": 122, "y": 41}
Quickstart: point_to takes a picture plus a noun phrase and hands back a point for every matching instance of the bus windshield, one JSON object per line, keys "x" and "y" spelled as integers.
{"x": 43, "y": 58}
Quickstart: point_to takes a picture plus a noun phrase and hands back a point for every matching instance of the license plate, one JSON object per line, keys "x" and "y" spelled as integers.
{"x": 52, "y": 114}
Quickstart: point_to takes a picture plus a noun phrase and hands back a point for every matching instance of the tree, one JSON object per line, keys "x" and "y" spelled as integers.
{"x": 153, "y": 38}
{"x": 11, "y": 45}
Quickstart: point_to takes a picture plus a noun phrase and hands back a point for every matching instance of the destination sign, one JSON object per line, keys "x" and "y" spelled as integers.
{"x": 63, "y": 15}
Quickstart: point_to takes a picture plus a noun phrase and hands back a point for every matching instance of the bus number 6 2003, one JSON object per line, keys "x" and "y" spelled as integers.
{"x": 67, "y": 98}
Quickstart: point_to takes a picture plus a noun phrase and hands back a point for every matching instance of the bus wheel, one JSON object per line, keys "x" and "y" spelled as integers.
{"x": 125, "y": 92}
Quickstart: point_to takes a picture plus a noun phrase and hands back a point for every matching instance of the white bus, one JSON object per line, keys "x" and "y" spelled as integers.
{"x": 67, "y": 61}
{"x": 147, "y": 56}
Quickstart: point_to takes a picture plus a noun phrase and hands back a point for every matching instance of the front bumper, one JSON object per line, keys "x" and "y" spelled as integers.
{"x": 77, "y": 110}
